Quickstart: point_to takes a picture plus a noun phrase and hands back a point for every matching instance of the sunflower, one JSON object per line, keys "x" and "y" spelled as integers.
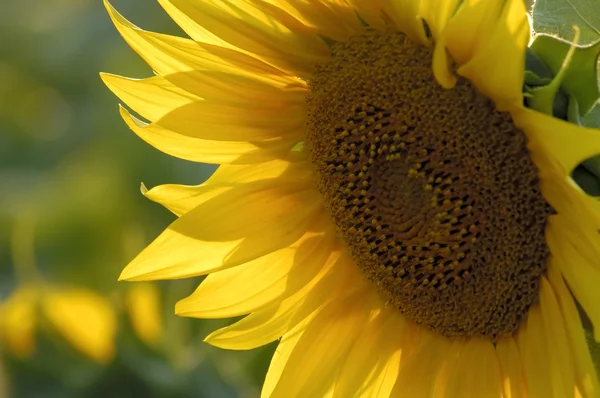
{"x": 385, "y": 204}
{"x": 83, "y": 318}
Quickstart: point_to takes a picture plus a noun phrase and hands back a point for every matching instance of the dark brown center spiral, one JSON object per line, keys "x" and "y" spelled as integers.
{"x": 432, "y": 190}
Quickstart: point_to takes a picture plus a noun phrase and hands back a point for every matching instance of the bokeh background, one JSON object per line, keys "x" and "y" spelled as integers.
{"x": 72, "y": 216}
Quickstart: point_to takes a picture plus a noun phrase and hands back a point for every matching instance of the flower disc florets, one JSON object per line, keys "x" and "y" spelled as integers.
{"x": 432, "y": 190}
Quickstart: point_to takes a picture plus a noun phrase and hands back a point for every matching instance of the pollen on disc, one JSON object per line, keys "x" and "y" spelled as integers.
{"x": 433, "y": 191}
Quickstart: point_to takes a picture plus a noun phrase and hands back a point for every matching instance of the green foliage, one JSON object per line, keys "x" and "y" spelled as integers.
{"x": 592, "y": 119}
{"x": 554, "y": 23}
{"x": 581, "y": 76}
{"x": 572, "y": 89}
{"x": 557, "y": 17}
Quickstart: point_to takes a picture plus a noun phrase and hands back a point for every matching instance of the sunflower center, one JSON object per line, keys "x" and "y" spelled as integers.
{"x": 433, "y": 191}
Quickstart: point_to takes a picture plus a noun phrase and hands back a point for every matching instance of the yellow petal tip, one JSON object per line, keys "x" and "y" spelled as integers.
{"x": 189, "y": 308}
{"x": 179, "y": 308}
{"x": 109, "y": 7}
{"x": 123, "y": 277}
{"x": 210, "y": 340}
{"x": 108, "y": 79}
{"x": 131, "y": 274}
{"x": 214, "y": 340}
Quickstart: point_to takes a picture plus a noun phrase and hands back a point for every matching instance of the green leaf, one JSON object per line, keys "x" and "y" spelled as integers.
{"x": 557, "y": 17}
{"x": 534, "y": 66}
{"x": 533, "y": 80}
{"x": 581, "y": 76}
{"x": 587, "y": 180}
{"x": 592, "y": 119}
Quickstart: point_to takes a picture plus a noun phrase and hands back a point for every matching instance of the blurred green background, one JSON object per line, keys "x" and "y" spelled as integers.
{"x": 72, "y": 216}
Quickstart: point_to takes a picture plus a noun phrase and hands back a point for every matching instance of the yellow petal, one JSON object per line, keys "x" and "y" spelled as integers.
{"x": 18, "y": 320}
{"x": 531, "y": 344}
{"x": 85, "y": 319}
{"x": 233, "y": 228}
{"x": 558, "y": 188}
{"x": 561, "y": 364}
{"x": 152, "y": 98}
{"x": 591, "y": 205}
{"x": 281, "y": 356}
{"x": 391, "y": 351}
{"x": 235, "y": 108}
{"x": 270, "y": 323}
{"x": 475, "y": 372}
{"x": 371, "y": 367}
{"x": 208, "y": 151}
{"x": 189, "y": 26}
{"x": 423, "y": 357}
{"x": 168, "y": 54}
{"x": 585, "y": 372}
{"x": 335, "y": 19}
{"x": 485, "y": 373}
{"x": 370, "y": 11}
{"x": 295, "y": 170}
{"x": 464, "y": 32}
{"x": 404, "y": 15}
{"x": 510, "y": 364}
{"x": 359, "y": 366}
{"x": 437, "y": 13}
{"x": 442, "y": 66}
{"x": 582, "y": 238}
{"x": 258, "y": 283}
{"x": 498, "y": 50}
{"x": 182, "y": 198}
{"x": 258, "y": 122}
{"x": 143, "y": 304}
{"x": 544, "y": 346}
{"x": 572, "y": 204}
{"x": 311, "y": 367}
{"x": 250, "y": 27}
{"x": 566, "y": 142}
{"x": 582, "y": 277}
{"x": 234, "y": 88}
